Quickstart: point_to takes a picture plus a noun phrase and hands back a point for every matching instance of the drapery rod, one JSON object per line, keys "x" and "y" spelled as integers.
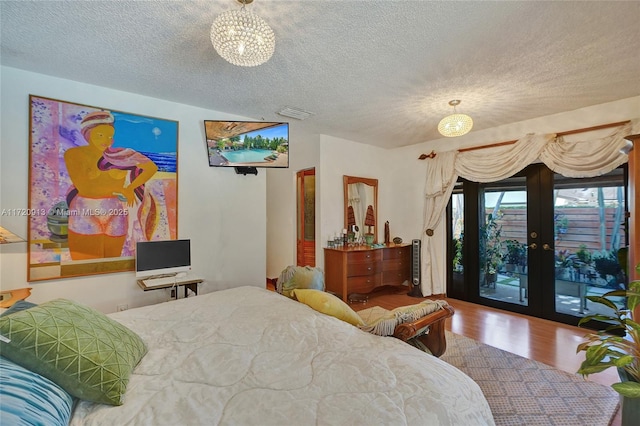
{"x": 568, "y": 132}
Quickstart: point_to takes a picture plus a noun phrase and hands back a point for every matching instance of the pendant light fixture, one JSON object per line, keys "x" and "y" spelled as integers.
{"x": 455, "y": 124}
{"x": 242, "y": 37}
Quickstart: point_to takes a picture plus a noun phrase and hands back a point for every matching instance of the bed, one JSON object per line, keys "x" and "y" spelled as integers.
{"x": 251, "y": 356}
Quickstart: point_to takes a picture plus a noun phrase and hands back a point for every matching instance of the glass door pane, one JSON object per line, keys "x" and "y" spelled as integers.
{"x": 589, "y": 231}
{"x": 309, "y": 202}
{"x": 306, "y": 218}
{"x": 503, "y": 242}
{"x": 457, "y": 242}
{"x": 539, "y": 243}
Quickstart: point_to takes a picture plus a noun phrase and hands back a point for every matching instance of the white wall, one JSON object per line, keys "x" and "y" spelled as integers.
{"x": 224, "y": 214}
{"x": 333, "y": 158}
{"x": 339, "y": 157}
{"x": 304, "y": 153}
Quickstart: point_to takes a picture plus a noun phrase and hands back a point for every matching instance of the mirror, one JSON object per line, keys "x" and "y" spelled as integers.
{"x": 361, "y": 209}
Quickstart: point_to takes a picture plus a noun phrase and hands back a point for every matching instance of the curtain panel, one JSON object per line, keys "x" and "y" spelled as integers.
{"x": 577, "y": 159}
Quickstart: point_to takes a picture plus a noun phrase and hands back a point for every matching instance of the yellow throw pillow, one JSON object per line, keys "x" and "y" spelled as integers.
{"x": 327, "y": 304}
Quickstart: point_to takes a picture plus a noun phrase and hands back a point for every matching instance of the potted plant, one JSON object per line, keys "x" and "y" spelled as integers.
{"x": 617, "y": 346}
{"x": 561, "y": 224}
{"x": 584, "y": 259}
{"x": 458, "y": 266}
{"x": 490, "y": 251}
{"x": 564, "y": 263}
{"x": 458, "y": 262}
{"x": 583, "y": 254}
{"x": 607, "y": 266}
{"x": 516, "y": 256}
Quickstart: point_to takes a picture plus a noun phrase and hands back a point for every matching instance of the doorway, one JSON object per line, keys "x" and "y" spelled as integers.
{"x": 538, "y": 243}
{"x": 306, "y": 217}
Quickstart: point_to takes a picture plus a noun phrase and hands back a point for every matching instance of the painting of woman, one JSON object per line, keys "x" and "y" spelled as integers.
{"x": 100, "y": 180}
{"x": 105, "y": 181}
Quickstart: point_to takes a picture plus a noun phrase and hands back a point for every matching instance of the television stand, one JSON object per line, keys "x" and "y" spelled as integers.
{"x": 189, "y": 283}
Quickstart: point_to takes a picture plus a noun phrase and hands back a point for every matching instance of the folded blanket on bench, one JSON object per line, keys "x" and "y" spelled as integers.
{"x": 383, "y": 322}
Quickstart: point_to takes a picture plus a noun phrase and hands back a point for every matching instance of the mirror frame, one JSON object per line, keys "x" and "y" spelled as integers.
{"x": 347, "y": 180}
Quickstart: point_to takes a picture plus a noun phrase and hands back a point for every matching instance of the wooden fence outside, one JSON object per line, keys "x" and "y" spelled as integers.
{"x": 575, "y": 226}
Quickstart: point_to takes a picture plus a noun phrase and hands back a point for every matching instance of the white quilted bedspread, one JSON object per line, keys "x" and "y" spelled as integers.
{"x": 248, "y": 356}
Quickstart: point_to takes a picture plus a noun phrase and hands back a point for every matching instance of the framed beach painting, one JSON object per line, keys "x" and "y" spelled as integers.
{"x": 99, "y": 181}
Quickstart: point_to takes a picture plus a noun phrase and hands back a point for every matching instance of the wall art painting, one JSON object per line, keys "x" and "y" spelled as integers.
{"x": 99, "y": 181}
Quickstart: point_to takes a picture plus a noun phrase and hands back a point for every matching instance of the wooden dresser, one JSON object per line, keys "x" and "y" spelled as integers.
{"x": 363, "y": 269}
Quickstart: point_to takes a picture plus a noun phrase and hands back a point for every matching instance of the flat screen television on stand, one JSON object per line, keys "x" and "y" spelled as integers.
{"x": 162, "y": 258}
{"x": 247, "y": 145}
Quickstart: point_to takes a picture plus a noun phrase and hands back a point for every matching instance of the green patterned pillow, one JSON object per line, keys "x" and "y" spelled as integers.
{"x": 86, "y": 353}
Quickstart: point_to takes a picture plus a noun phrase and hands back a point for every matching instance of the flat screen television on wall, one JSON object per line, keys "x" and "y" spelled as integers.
{"x": 247, "y": 144}
{"x": 158, "y": 258}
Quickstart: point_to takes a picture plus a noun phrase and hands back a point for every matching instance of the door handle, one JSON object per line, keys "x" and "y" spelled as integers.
{"x": 533, "y": 246}
{"x": 546, "y": 247}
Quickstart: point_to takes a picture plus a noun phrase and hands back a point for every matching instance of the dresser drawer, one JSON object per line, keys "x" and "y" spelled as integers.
{"x": 357, "y": 269}
{"x": 395, "y": 277}
{"x": 364, "y": 284}
{"x": 364, "y": 256}
{"x": 397, "y": 253}
{"x": 362, "y": 270}
{"x": 395, "y": 265}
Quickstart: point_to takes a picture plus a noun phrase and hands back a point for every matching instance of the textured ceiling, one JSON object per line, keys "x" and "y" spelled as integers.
{"x": 376, "y": 72}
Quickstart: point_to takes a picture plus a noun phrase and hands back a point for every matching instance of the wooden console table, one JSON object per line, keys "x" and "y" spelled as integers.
{"x": 187, "y": 282}
{"x": 362, "y": 269}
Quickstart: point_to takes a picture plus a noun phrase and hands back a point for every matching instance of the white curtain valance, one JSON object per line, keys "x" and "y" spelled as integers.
{"x": 500, "y": 162}
{"x": 577, "y": 159}
{"x": 589, "y": 158}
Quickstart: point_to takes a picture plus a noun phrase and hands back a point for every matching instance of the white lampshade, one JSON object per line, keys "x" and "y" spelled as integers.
{"x": 242, "y": 38}
{"x": 455, "y": 124}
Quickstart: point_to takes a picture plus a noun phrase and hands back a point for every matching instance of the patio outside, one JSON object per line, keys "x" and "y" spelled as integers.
{"x": 589, "y": 231}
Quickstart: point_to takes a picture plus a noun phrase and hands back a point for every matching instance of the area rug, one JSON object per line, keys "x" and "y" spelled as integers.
{"x": 525, "y": 392}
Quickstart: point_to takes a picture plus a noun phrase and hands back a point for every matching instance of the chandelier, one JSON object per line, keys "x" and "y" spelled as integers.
{"x": 455, "y": 124}
{"x": 242, "y": 37}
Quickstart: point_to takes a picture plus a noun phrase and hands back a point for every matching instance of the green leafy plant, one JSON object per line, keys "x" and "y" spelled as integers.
{"x": 565, "y": 259}
{"x": 608, "y": 268}
{"x": 516, "y": 252}
{"x": 583, "y": 254}
{"x": 606, "y": 348}
{"x": 490, "y": 245}
{"x": 561, "y": 224}
{"x": 606, "y": 264}
{"x": 458, "y": 265}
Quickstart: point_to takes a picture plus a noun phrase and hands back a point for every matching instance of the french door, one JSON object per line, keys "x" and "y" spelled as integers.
{"x": 538, "y": 243}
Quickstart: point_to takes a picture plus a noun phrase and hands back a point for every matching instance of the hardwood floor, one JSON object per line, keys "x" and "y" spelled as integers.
{"x": 541, "y": 340}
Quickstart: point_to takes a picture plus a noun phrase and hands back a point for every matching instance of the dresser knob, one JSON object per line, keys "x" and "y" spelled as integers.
{"x": 369, "y": 268}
